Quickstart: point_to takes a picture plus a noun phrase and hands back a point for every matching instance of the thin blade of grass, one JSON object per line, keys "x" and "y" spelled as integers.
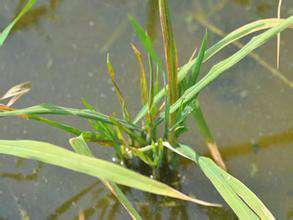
{"x": 102, "y": 128}
{"x": 117, "y": 89}
{"x": 52, "y": 154}
{"x": 49, "y": 109}
{"x": 95, "y": 124}
{"x": 227, "y": 63}
{"x": 143, "y": 80}
{"x": 244, "y": 206}
{"x": 145, "y": 40}
{"x": 144, "y": 88}
{"x": 65, "y": 127}
{"x": 131, "y": 134}
{"x": 151, "y": 83}
{"x": 167, "y": 110}
{"x": 196, "y": 110}
{"x": 114, "y": 188}
{"x": 197, "y": 65}
{"x": 207, "y": 134}
{"x": 81, "y": 147}
{"x": 219, "y": 68}
{"x": 170, "y": 58}
{"x": 275, "y": 72}
{"x": 233, "y": 200}
{"x": 89, "y": 136}
{"x": 230, "y": 38}
{"x": 247, "y": 195}
{"x": 170, "y": 49}
{"x": 152, "y": 109}
{"x": 6, "y": 31}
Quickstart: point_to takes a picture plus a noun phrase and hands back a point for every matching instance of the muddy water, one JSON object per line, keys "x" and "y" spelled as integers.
{"x": 61, "y": 47}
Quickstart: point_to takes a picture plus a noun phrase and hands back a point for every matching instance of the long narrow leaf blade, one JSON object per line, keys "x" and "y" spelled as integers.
{"x": 117, "y": 89}
{"x": 145, "y": 40}
{"x": 171, "y": 61}
{"x": 244, "y": 202}
{"x": 247, "y": 195}
{"x": 230, "y": 38}
{"x": 81, "y": 147}
{"x": 234, "y": 201}
{"x": 207, "y": 134}
{"x": 6, "y": 31}
{"x": 143, "y": 79}
{"x": 219, "y": 68}
{"x": 49, "y": 109}
{"x": 56, "y": 124}
{"x": 197, "y": 65}
{"x": 114, "y": 188}
{"x": 61, "y": 157}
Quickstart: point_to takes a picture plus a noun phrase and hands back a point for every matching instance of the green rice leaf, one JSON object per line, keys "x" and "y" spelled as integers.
{"x": 56, "y": 124}
{"x": 197, "y": 65}
{"x": 143, "y": 80}
{"x": 170, "y": 59}
{"x": 145, "y": 40}
{"x": 167, "y": 110}
{"x": 152, "y": 83}
{"x": 105, "y": 131}
{"x": 6, "y": 31}
{"x": 244, "y": 202}
{"x": 230, "y": 38}
{"x": 117, "y": 89}
{"x": 219, "y": 68}
{"x": 48, "y": 109}
{"x": 65, "y": 127}
{"x": 206, "y": 133}
{"x": 81, "y": 147}
{"x": 123, "y": 199}
{"x": 234, "y": 201}
{"x": 54, "y": 155}
{"x": 246, "y": 194}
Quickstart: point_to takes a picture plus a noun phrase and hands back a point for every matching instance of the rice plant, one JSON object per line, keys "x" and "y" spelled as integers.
{"x": 136, "y": 138}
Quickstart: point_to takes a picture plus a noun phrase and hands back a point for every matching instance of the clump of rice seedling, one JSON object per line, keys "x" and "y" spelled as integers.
{"x": 164, "y": 109}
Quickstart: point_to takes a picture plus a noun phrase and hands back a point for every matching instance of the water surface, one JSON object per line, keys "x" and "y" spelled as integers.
{"x": 61, "y": 47}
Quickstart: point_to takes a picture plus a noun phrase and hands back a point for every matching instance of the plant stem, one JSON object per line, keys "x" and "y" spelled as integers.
{"x": 170, "y": 58}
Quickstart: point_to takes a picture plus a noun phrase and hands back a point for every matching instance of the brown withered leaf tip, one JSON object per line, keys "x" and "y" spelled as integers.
{"x": 14, "y": 93}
